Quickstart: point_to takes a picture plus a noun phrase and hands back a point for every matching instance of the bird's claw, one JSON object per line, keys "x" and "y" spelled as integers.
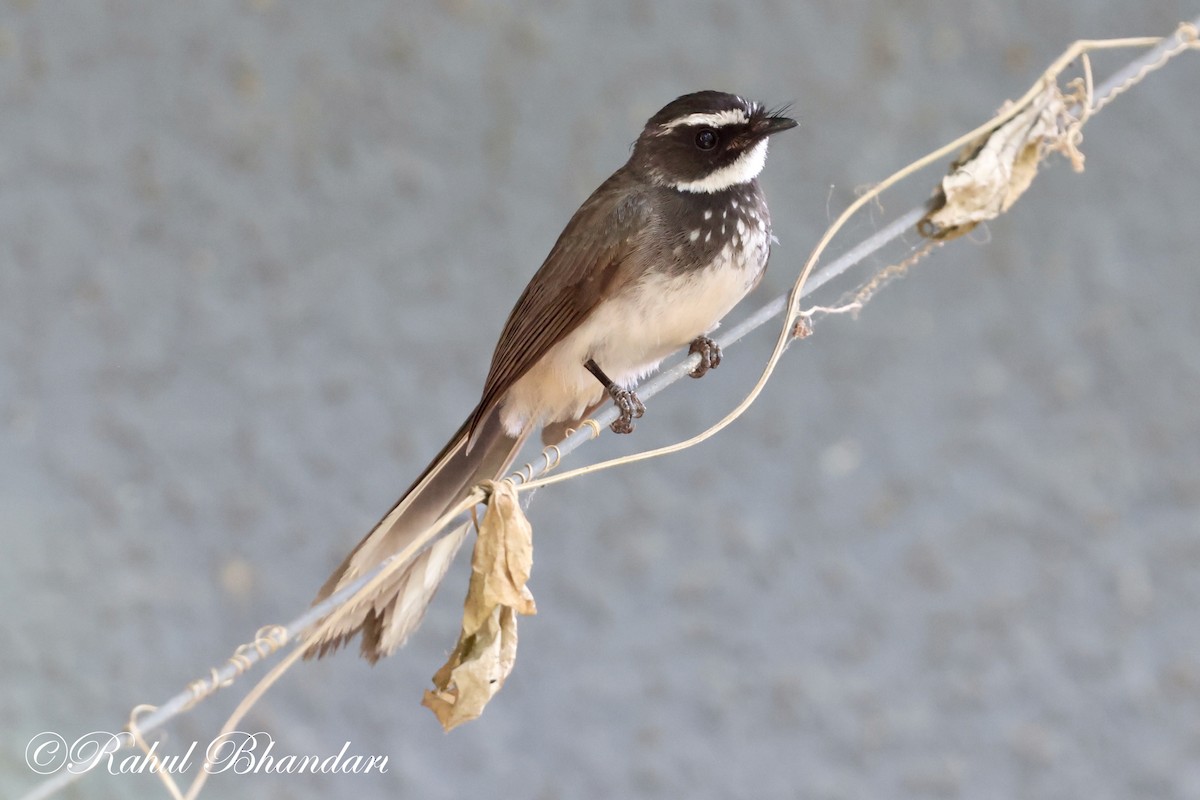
{"x": 630, "y": 406}
{"x": 710, "y": 355}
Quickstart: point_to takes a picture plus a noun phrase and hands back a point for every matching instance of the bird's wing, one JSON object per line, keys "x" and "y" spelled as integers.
{"x": 584, "y": 267}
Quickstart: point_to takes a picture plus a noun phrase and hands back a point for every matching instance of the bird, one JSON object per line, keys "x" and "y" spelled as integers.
{"x": 649, "y": 264}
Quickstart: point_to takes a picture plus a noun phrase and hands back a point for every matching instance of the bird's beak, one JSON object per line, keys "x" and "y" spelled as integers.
{"x": 773, "y": 124}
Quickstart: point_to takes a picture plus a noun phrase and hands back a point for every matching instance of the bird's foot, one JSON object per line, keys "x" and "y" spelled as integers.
{"x": 710, "y": 355}
{"x": 630, "y": 406}
{"x": 628, "y": 403}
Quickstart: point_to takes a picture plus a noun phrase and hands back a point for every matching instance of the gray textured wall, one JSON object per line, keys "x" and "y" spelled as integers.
{"x": 253, "y": 258}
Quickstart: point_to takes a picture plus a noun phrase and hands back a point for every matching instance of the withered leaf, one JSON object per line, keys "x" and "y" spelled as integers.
{"x": 986, "y": 182}
{"x": 487, "y": 647}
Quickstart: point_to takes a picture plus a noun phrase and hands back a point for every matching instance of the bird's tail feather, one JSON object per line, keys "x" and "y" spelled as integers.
{"x": 391, "y": 613}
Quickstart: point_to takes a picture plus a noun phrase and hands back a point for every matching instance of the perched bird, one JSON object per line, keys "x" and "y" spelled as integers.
{"x": 651, "y": 262}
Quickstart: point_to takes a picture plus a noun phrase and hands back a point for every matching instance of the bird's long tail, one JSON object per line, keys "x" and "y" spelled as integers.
{"x": 391, "y": 613}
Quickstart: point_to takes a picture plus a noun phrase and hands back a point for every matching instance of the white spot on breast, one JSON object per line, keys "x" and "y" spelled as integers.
{"x": 708, "y": 214}
{"x": 741, "y": 226}
{"x": 694, "y": 235}
{"x": 708, "y": 236}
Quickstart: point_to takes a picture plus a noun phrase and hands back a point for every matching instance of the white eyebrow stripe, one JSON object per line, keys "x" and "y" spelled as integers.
{"x": 733, "y": 116}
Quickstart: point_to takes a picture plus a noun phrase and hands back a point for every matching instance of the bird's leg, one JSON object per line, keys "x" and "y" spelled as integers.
{"x": 630, "y": 406}
{"x": 710, "y": 355}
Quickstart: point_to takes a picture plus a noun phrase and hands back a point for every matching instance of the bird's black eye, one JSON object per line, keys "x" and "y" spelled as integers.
{"x": 706, "y": 139}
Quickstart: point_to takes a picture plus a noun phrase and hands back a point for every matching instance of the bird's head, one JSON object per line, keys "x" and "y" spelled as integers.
{"x": 707, "y": 142}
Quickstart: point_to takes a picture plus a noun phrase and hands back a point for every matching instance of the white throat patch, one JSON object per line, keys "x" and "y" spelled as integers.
{"x": 744, "y": 170}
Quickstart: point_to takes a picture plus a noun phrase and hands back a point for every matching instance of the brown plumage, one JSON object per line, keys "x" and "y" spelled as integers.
{"x": 658, "y": 254}
{"x": 595, "y": 256}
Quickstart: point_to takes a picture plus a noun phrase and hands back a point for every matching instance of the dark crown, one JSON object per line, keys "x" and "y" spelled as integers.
{"x": 706, "y": 141}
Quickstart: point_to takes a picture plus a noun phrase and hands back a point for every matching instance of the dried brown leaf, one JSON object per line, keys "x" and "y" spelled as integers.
{"x": 987, "y": 182}
{"x": 487, "y": 647}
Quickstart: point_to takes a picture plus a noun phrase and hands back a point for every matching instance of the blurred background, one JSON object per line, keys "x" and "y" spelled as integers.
{"x": 253, "y": 260}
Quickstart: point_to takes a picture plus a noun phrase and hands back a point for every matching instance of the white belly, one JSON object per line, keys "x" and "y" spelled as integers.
{"x": 629, "y": 335}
